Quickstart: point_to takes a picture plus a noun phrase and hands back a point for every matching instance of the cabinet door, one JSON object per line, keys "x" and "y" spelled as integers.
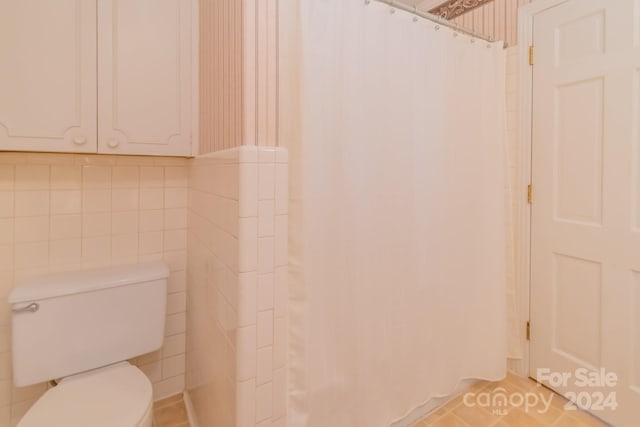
{"x": 48, "y": 75}
{"x": 144, "y": 77}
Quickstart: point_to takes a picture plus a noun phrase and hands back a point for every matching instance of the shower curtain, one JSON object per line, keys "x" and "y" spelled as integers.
{"x": 397, "y": 213}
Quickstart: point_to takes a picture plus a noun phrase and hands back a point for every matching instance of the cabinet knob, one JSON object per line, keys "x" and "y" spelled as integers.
{"x": 79, "y": 140}
{"x": 113, "y": 143}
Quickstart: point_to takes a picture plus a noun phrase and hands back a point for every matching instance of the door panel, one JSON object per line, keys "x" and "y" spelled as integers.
{"x": 577, "y": 286}
{"x": 585, "y": 254}
{"x": 578, "y": 187}
{"x": 580, "y": 38}
{"x": 47, "y": 75}
{"x": 144, "y": 70}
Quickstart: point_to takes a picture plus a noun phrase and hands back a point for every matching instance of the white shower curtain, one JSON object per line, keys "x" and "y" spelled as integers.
{"x": 397, "y": 216}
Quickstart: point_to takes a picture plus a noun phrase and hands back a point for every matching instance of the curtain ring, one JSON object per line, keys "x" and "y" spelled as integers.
{"x": 437, "y": 27}
{"x": 392, "y": 4}
{"x": 367, "y": 2}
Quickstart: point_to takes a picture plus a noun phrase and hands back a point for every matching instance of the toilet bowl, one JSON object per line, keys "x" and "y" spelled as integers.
{"x": 115, "y": 396}
{"x": 81, "y": 328}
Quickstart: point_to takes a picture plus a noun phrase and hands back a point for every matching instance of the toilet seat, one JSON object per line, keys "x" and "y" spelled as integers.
{"x": 116, "y": 396}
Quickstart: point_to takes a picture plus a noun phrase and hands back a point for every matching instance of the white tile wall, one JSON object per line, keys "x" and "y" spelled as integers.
{"x": 236, "y": 310}
{"x": 63, "y": 212}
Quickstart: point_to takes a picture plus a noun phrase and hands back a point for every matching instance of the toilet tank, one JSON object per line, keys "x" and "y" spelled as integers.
{"x": 67, "y": 323}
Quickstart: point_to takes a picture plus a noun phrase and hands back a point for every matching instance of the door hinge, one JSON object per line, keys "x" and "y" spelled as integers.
{"x": 528, "y": 331}
{"x": 529, "y": 194}
{"x": 531, "y": 55}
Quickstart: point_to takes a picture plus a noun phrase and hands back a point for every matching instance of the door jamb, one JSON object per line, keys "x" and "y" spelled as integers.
{"x": 526, "y": 15}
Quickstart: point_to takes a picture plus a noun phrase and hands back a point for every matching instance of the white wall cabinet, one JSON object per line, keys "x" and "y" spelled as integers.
{"x": 105, "y": 76}
{"x": 48, "y": 75}
{"x": 144, "y": 77}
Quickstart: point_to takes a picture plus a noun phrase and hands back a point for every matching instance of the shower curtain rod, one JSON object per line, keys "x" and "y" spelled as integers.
{"x": 435, "y": 18}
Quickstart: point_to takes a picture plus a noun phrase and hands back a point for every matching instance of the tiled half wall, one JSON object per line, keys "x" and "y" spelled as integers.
{"x": 62, "y": 212}
{"x": 237, "y": 287}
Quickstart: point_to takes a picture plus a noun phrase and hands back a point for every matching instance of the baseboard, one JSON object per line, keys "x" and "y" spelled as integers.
{"x": 518, "y": 366}
{"x": 191, "y": 414}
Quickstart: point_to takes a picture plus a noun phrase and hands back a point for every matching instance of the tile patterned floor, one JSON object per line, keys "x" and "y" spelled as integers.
{"x": 170, "y": 412}
{"x": 456, "y": 414}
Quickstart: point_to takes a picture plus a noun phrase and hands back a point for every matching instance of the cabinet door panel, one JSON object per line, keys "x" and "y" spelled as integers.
{"x": 144, "y": 74}
{"x": 48, "y": 75}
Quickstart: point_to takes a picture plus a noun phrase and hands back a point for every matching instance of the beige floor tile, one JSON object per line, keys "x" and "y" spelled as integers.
{"x": 475, "y": 416}
{"x": 548, "y": 417}
{"x": 449, "y": 420}
{"x": 549, "y": 406}
{"x": 428, "y": 420}
{"x": 518, "y": 418}
{"x": 441, "y": 411}
{"x": 456, "y": 414}
{"x": 522, "y": 382}
{"x": 453, "y": 403}
{"x": 508, "y": 386}
{"x": 491, "y": 385}
{"x": 480, "y": 385}
{"x": 560, "y": 403}
{"x": 568, "y": 421}
{"x": 586, "y": 419}
{"x": 170, "y": 414}
{"x": 168, "y": 401}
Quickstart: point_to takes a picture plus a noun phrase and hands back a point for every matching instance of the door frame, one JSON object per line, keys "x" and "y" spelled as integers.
{"x": 526, "y": 15}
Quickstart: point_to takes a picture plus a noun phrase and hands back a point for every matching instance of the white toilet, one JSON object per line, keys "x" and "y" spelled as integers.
{"x": 79, "y": 328}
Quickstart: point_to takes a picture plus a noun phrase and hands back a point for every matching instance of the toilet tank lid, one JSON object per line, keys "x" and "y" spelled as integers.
{"x": 74, "y": 282}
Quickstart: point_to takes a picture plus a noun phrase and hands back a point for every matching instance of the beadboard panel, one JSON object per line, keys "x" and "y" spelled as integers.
{"x": 261, "y": 72}
{"x": 221, "y": 88}
{"x": 238, "y": 73}
{"x": 497, "y": 19}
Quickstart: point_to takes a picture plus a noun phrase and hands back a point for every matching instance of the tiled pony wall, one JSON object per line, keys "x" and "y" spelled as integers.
{"x": 61, "y": 212}
{"x": 237, "y": 287}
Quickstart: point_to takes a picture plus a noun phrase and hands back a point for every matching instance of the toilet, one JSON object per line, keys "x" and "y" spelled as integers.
{"x": 79, "y": 329}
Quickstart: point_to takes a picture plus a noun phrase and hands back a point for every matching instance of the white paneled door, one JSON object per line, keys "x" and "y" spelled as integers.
{"x": 145, "y": 76}
{"x": 48, "y": 75}
{"x": 585, "y": 260}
